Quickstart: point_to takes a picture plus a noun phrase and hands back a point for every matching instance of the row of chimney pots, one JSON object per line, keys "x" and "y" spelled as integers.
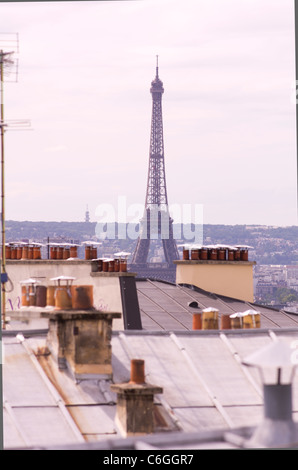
{"x": 33, "y": 251}
{"x": 16, "y": 251}
{"x": 209, "y": 319}
{"x": 111, "y": 265}
{"x": 221, "y": 253}
{"x": 62, "y": 295}
{"x": 63, "y": 252}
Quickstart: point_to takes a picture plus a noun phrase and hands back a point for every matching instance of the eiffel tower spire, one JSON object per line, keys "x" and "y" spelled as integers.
{"x": 156, "y": 222}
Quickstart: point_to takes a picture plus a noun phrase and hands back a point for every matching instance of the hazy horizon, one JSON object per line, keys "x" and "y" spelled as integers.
{"x": 95, "y": 222}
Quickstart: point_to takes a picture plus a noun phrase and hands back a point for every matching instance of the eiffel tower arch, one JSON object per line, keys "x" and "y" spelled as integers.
{"x": 156, "y": 222}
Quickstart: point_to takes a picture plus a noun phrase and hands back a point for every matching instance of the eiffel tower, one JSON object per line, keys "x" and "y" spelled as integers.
{"x": 156, "y": 222}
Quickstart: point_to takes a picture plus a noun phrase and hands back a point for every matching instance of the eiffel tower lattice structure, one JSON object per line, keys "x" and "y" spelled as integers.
{"x": 156, "y": 222}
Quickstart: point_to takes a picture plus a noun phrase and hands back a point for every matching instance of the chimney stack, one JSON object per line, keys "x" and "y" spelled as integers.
{"x": 80, "y": 341}
{"x": 135, "y": 402}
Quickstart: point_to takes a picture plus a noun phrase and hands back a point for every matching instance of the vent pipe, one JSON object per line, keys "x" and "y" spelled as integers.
{"x": 276, "y": 363}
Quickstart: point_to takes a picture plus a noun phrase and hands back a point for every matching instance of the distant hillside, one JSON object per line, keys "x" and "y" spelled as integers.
{"x": 41, "y": 230}
{"x": 272, "y": 245}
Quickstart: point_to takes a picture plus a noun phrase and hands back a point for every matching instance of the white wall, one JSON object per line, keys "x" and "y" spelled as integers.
{"x": 106, "y": 286}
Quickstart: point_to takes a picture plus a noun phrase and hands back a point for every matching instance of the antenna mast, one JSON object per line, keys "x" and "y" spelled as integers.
{"x": 9, "y": 45}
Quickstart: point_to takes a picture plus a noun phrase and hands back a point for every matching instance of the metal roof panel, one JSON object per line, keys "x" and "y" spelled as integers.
{"x": 19, "y": 374}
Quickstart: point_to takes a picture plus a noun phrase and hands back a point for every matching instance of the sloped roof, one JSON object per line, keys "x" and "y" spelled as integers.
{"x": 205, "y": 386}
{"x": 164, "y": 306}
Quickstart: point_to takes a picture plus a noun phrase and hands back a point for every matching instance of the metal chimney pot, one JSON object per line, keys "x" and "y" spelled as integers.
{"x": 276, "y": 363}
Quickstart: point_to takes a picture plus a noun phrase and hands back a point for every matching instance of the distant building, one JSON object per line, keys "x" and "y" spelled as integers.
{"x": 87, "y": 215}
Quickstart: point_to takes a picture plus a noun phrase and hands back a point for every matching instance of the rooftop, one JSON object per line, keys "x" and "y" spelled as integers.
{"x": 165, "y": 306}
{"x": 207, "y": 392}
{"x": 205, "y": 387}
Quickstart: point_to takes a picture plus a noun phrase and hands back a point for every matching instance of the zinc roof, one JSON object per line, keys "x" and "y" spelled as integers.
{"x": 164, "y": 306}
{"x": 205, "y": 386}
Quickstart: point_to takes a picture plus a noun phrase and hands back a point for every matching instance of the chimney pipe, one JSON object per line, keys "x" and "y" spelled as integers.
{"x": 135, "y": 402}
{"x": 137, "y": 371}
{"x": 276, "y": 363}
{"x": 197, "y": 321}
{"x": 277, "y": 428}
{"x": 210, "y": 318}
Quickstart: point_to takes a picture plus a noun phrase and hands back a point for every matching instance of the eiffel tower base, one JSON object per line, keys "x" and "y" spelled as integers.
{"x": 154, "y": 271}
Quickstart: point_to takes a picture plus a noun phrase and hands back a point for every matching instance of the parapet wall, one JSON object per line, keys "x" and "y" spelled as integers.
{"x": 229, "y": 278}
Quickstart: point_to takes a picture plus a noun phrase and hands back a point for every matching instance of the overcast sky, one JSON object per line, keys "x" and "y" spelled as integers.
{"x": 84, "y": 75}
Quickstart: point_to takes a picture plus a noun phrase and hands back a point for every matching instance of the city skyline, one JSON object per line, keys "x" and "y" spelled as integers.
{"x": 85, "y": 70}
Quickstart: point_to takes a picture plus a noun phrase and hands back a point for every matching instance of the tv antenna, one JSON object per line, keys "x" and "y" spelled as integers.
{"x": 9, "y": 48}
